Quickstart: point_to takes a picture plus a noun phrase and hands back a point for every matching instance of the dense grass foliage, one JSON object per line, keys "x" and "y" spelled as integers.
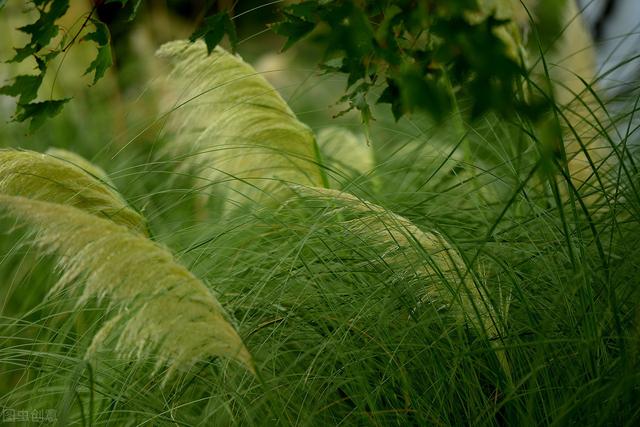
{"x": 463, "y": 274}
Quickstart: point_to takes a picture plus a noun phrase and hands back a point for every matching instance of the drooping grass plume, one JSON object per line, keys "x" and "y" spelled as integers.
{"x": 160, "y": 306}
{"x": 81, "y": 162}
{"x": 447, "y": 282}
{"x": 70, "y": 181}
{"x": 232, "y": 127}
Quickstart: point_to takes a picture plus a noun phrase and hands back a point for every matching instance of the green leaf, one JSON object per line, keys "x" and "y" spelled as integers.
{"x": 391, "y": 95}
{"x": 101, "y": 34}
{"x": 306, "y": 10}
{"x": 293, "y": 29}
{"x": 23, "y": 53}
{"x": 213, "y": 30}
{"x": 44, "y": 29}
{"x": 2, "y": 3}
{"x": 101, "y": 63}
{"x": 357, "y": 99}
{"x": 41, "y": 32}
{"x": 410, "y": 91}
{"x": 26, "y": 87}
{"x": 58, "y": 8}
{"x": 103, "y": 59}
{"x": 128, "y": 10}
{"x": 38, "y": 112}
{"x": 230, "y": 29}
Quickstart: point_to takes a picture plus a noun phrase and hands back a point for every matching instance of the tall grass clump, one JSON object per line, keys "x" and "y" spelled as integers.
{"x": 473, "y": 273}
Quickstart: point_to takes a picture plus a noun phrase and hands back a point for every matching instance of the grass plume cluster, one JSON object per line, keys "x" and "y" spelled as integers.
{"x": 434, "y": 277}
{"x": 104, "y": 255}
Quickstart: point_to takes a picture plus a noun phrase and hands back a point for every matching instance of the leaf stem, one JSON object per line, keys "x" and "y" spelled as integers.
{"x": 84, "y": 24}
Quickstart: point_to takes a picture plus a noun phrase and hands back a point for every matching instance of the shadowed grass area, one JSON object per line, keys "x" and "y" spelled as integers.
{"x": 338, "y": 326}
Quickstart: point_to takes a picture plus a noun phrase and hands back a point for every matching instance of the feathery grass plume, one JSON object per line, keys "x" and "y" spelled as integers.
{"x": 232, "y": 127}
{"x": 81, "y": 162}
{"x": 411, "y": 251}
{"x": 569, "y": 67}
{"x": 162, "y": 307}
{"x": 50, "y": 179}
{"x": 345, "y": 154}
